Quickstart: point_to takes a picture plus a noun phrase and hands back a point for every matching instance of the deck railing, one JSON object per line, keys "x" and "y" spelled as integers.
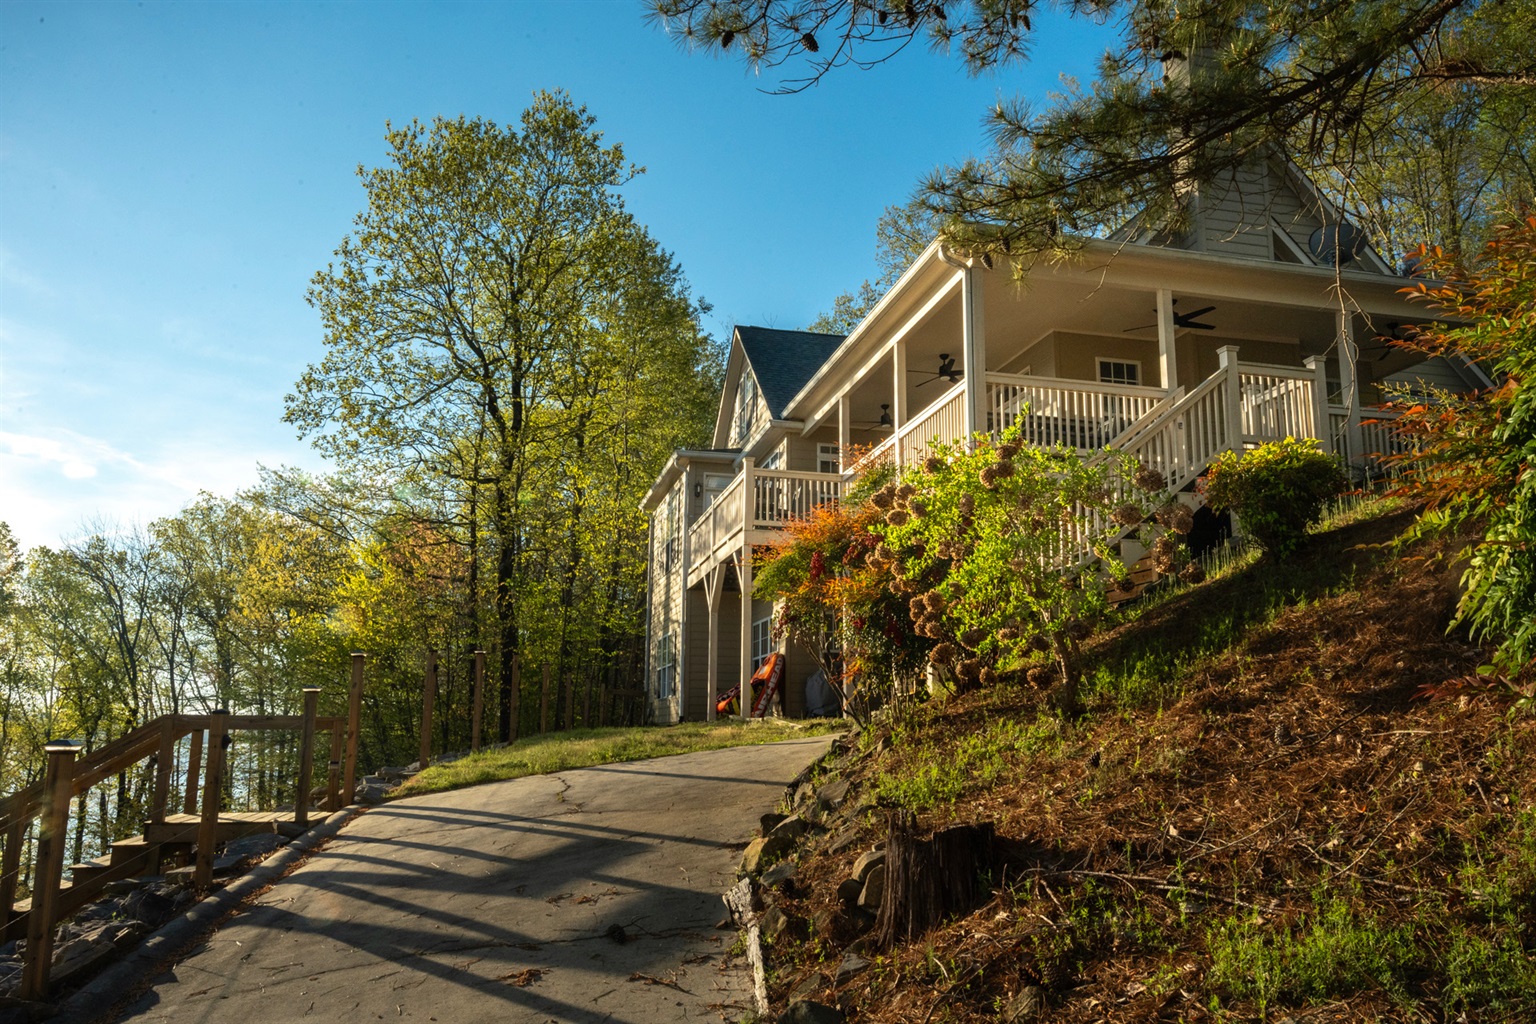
{"x": 1378, "y": 437}
{"x": 1081, "y": 414}
{"x": 723, "y": 517}
{"x": 780, "y": 495}
{"x": 1277, "y": 403}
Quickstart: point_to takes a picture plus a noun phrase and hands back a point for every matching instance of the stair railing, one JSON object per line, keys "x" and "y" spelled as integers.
{"x": 68, "y": 775}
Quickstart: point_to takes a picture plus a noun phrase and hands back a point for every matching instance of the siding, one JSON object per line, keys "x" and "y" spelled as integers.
{"x": 1077, "y": 355}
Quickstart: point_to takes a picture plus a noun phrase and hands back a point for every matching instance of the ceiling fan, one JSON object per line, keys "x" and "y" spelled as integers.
{"x": 883, "y": 423}
{"x": 1189, "y": 321}
{"x": 947, "y": 371}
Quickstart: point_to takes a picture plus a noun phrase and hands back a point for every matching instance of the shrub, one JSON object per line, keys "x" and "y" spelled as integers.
{"x": 1278, "y": 490}
{"x": 1006, "y": 551}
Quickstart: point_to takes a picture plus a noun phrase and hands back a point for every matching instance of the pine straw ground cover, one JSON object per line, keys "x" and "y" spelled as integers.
{"x": 1287, "y": 802}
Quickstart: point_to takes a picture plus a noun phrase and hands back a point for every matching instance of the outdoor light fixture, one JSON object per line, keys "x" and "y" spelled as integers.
{"x": 885, "y": 416}
{"x": 698, "y": 489}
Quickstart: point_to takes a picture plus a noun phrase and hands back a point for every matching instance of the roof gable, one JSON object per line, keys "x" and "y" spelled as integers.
{"x": 783, "y": 361}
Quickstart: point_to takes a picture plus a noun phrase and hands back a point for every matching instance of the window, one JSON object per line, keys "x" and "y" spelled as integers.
{"x": 762, "y": 641}
{"x": 1119, "y": 371}
{"x": 746, "y": 407}
{"x": 774, "y": 459}
{"x": 666, "y": 665}
{"x": 828, "y": 459}
{"x": 672, "y": 529}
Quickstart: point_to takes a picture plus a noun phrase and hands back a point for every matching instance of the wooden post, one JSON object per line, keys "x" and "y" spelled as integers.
{"x": 1233, "y": 394}
{"x": 57, "y": 780}
{"x": 213, "y": 792}
{"x": 1322, "y": 429}
{"x": 333, "y": 774}
{"x": 165, "y": 760}
{"x": 354, "y": 723}
{"x": 194, "y": 764}
{"x": 544, "y": 703}
{"x": 10, "y": 872}
{"x": 428, "y": 698}
{"x": 479, "y": 706}
{"x": 306, "y": 757}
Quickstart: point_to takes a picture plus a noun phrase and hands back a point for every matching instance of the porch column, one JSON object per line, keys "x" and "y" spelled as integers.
{"x": 1344, "y": 342}
{"x": 1322, "y": 427}
{"x": 745, "y": 576}
{"x": 844, "y": 435}
{"x": 714, "y": 593}
{"x": 974, "y": 348}
{"x": 1167, "y": 346}
{"x": 1232, "y": 389}
{"x": 898, "y": 396}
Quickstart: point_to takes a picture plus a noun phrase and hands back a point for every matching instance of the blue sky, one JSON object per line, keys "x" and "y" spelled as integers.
{"x": 171, "y": 175}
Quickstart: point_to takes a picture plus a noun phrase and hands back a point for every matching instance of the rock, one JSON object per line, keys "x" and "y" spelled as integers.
{"x": 852, "y": 964}
{"x": 770, "y": 821}
{"x": 371, "y": 792}
{"x": 808, "y": 986}
{"x": 832, "y": 795}
{"x": 774, "y": 923}
{"x": 874, "y": 888}
{"x": 843, "y": 838}
{"x": 18, "y": 1011}
{"x": 84, "y": 953}
{"x": 804, "y": 794}
{"x": 781, "y": 874}
{"x": 752, "y": 858}
{"x": 151, "y": 906}
{"x": 849, "y": 891}
{"x": 860, "y": 920}
{"x": 1025, "y": 1006}
{"x": 867, "y": 862}
{"x": 826, "y": 924}
{"x": 806, "y": 1011}
{"x": 790, "y": 829}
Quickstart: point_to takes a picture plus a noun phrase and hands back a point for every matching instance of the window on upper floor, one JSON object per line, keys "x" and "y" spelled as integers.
{"x": 746, "y": 409}
{"x": 1119, "y": 371}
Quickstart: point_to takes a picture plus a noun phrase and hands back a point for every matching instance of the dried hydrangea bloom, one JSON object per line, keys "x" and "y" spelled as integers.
{"x": 943, "y": 654}
{"x": 973, "y": 637}
{"x": 1038, "y": 676}
{"x": 1126, "y": 515}
{"x": 932, "y": 464}
{"x": 967, "y": 504}
{"x": 1008, "y": 450}
{"x": 989, "y": 477}
{"x": 1003, "y": 468}
{"x": 884, "y": 497}
{"x": 1149, "y": 479}
{"x": 1194, "y": 572}
{"x": 898, "y": 517}
{"x": 917, "y": 607}
{"x": 905, "y": 491}
{"x": 988, "y": 676}
{"x": 1079, "y": 630}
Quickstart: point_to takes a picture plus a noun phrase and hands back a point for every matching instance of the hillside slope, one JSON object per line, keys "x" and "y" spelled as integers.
{"x": 1292, "y": 797}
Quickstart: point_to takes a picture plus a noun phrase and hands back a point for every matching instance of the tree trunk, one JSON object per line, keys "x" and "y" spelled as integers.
{"x": 929, "y": 880}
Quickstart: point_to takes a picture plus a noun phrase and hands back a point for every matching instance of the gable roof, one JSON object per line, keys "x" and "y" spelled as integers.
{"x": 783, "y": 361}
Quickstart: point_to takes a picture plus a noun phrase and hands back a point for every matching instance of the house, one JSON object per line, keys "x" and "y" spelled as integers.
{"x": 1266, "y": 318}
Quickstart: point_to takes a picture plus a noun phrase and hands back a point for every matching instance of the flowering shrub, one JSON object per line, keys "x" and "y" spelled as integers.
{"x": 838, "y": 604}
{"x": 1278, "y": 490}
{"x": 1005, "y": 551}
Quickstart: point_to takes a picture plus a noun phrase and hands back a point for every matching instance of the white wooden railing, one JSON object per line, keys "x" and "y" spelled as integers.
{"x": 779, "y": 495}
{"x": 1181, "y": 440}
{"x": 1277, "y": 403}
{"x": 1081, "y": 414}
{"x": 717, "y": 523}
{"x": 944, "y": 421}
{"x": 1377, "y": 440}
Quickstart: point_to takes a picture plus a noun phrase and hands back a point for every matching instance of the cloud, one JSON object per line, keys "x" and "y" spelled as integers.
{"x": 76, "y": 457}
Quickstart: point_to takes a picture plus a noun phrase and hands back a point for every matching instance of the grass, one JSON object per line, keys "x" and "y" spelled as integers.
{"x": 583, "y": 748}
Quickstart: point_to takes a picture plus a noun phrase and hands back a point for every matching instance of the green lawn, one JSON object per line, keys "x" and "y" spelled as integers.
{"x": 581, "y": 748}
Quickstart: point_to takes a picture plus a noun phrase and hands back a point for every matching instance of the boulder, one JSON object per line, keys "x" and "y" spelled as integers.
{"x": 790, "y": 828}
{"x": 832, "y": 795}
{"x": 807, "y": 1011}
{"x": 867, "y": 862}
{"x": 852, "y": 964}
{"x": 781, "y": 874}
{"x": 849, "y": 891}
{"x": 808, "y": 987}
{"x": 874, "y": 888}
{"x": 1025, "y": 1006}
{"x": 770, "y": 821}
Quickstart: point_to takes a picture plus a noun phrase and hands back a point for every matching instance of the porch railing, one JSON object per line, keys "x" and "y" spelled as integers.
{"x": 1277, "y": 403}
{"x": 1378, "y": 437}
{"x": 944, "y": 420}
{"x": 779, "y": 495}
{"x": 718, "y": 522}
{"x": 1081, "y": 414}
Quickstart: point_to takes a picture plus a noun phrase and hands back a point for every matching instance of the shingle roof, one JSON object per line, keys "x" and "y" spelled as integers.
{"x": 783, "y": 361}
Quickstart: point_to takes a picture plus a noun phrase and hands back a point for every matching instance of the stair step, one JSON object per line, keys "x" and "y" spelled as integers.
{"x": 125, "y": 850}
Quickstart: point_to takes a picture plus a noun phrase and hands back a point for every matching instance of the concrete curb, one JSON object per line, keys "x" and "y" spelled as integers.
{"x": 109, "y": 987}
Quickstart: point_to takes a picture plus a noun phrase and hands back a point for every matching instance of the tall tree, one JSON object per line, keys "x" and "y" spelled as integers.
{"x": 456, "y": 318}
{"x": 1312, "y": 79}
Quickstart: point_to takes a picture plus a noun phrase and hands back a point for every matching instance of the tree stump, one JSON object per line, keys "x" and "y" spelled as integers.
{"x": 929, "y": 880}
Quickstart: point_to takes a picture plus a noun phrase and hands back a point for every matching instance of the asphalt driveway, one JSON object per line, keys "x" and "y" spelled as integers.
{"x": 591, "y": 895}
